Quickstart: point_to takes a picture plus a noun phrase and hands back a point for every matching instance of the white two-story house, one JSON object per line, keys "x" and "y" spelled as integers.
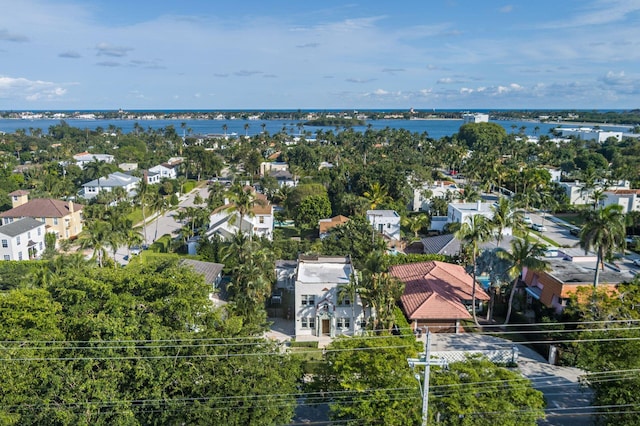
{"x": 22, "y": 239}
{"x": 226, "y": 222}
{"x": 108, "y": 183}
{"x": 386, "y": 222}
{"x": 319, "y": 311}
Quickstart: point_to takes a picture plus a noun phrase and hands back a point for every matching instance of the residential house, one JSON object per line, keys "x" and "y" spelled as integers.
{"x": 85, "y": 157}
{"x": 439, "y": 189}
{"x": 152, "y": 177}
{"x": 22, "y": 239}
{"x": 462, "y": 212}
{"x": 569, "y": 270}
{"x": 272, "y": 166}
{"x": 318, "y": 309}
{"x": 629, "y": 199}
{"x": 386, "y": 222}
{"x": 165, "y": 170}
{"x": 449, "y": 245}
{"x": 578, "y": 193}
{"x": 212, "y": 274}
{"x": 284, "y": 178}
{"x": 588, "y": 133}
{"x": 63, "y": 218}
{"x": 475, "y": 118}
{"x": 114, "y": 180}
{"x": 437, "y": 295}
{"x": 324, "y": 225}
{"x": 259, "y": 223}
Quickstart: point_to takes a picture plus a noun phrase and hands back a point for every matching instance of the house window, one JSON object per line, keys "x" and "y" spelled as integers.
{"x": 5, "y": 243}
{"x": 39, "y": 231}
{"x": 19, "y": 255}
{"x": 55, "y": 220}
{"x": 40, "y": 245}
{"x": 18, "y": 240}
{"x": 308, "y": 322}
{"x": 7, "y": 257}
{"x": 343, "y": 322}
{"x": 261, "y": 219}
{"x": 345, "y": 302}
{"x": 29, "y": 234}
{"x": 308, "y": 299}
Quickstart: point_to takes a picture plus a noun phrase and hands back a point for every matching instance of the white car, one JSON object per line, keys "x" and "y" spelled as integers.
{"x": 527, "y": 220}
{"x": 636, "y": 262}
{"x": 538, "y": 227}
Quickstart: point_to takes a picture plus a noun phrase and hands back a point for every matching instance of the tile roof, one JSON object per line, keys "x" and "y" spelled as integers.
{"x": 326, "y": 224}
{"x": 42, "y": 207}
{"x": 20, "y": 227}
{"x": 19, "y": 192}
{"x": 265, "y": 208}
{"x": 435, "y": 290}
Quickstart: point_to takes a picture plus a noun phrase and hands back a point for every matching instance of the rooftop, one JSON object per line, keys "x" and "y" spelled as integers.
{"x": 42, "y": 207}
{"x": 20, "y": 227}
{"x": 320, "y": 270}
{"x": 581, "y": 273}
{"x": 383, "y": 213}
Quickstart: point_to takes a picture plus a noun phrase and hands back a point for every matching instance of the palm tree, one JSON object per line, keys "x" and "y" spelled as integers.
{"x": 416, "y": 223}
{"x": 246, "y": 129}
{"x": 181, "y": 181}
{"x": 604, "y": 230}
{"x": 350, "y": 292}
{"x": 242, "y": 202}
{"x": 475, "y": 230}
{"x": 523, "y": 254}
{"x": 95, "y": 235}
{"x": 504, "y": 216}
{"x": 377, "y": 195}
{"x": 143, "y": 196}
{"x": 158, "y": 204}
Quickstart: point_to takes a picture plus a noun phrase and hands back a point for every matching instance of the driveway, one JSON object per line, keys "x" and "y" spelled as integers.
{"x": 567, "y": 401}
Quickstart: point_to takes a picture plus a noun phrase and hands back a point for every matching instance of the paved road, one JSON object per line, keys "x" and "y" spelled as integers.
{"x": 166, "y": 224}
{"x": 567, "y": 401}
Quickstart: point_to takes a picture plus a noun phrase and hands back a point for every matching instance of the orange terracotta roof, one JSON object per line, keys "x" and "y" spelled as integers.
{"x": 435, "y": 290}
{"x": 42, "y": 207}
{"x": 326, "y": 224}
{"x": 625, "y": 191}
{"x": 265, "y": 208}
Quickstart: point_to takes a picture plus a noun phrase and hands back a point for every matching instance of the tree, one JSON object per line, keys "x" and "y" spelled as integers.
{"x": 369, "y": 381}
{"x": 310, "y": 210}
{"x": 417, "y": 223}
{"x": 603, "y": 230}
{"x": 95, "y": 235}
{"x": 473, "y": 231}
{"x": 242, "y": 202}
{"x": 504, "y": 216}
{"x": 377, "y": 195}
{"x": 500, "y": 396}
{"x": 143, "y": 196}
{"x": 523, "y": 254}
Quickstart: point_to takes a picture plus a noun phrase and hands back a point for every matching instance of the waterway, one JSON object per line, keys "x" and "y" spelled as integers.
{"x": 434, "y": 128}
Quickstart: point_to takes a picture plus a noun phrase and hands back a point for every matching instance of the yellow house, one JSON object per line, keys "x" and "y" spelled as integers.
{"x": 63, "y": 218}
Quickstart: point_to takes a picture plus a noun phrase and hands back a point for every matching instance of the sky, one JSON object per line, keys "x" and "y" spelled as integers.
{"x": 276, "y": 54}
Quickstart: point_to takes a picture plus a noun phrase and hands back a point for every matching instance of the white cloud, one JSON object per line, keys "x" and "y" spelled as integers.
{"x": 31, "y": 90}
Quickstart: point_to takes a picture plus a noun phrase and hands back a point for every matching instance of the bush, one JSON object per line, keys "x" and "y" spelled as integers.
{"x": 161, "y": 245}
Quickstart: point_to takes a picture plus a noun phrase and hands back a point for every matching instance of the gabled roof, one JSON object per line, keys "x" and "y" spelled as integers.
{"x": 42, "y": 207}
{"x": 19, "y": 227}
{"x": 19, "y": 193}
{"x": 435, "y": 290}
{"x": 209, "y": 270}
{"x": 114, "y": 179}
{"x": 326, "y": 224}
{"x": 265, "y": 208}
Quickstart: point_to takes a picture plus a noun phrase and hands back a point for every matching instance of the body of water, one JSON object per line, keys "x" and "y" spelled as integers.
{"x": 434, "y": 128}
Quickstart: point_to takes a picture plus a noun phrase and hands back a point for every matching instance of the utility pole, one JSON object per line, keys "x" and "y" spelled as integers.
{"x": 426, "y": 362}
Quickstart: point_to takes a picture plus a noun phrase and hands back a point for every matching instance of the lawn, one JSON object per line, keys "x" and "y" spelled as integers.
{"x": 575, "y": 219}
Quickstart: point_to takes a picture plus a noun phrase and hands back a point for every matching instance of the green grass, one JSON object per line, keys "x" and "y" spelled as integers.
{"x": 135, "y": 216}
{"x": 573, "y": 218}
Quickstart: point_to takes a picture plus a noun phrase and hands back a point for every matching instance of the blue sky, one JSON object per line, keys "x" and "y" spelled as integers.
{"x": 200, "y": 54}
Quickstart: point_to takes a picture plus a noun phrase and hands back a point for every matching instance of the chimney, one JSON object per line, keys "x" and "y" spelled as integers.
{"x": 71, "y": 207}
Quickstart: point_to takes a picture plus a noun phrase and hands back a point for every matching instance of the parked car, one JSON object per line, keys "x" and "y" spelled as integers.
{"x": 636, "y": 262}
{"x": 135, "y": 250}
{"x": 538, "y": 227}
{"x": 574, "y": 231}
{"x": 527, "y": 220}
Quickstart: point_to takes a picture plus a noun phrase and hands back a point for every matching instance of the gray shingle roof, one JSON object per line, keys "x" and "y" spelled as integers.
{"x": 19, "y": 227}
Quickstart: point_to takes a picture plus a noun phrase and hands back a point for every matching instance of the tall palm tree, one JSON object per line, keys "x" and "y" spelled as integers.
{"x": 604, "y": 230}
{"x": 523, "y": 254}
{"x": 377, "y": 195}
{"x": 416, "y": 223}
{"x": 242, "y": 202}
{"x": 475, "y": 230}
{"x": 349, "y": 292}
{"x": 504, "y": 216}
{"x": 143, "y": 196}
{"x": 159, "y": 204}
{"x": 95, "y": 236}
